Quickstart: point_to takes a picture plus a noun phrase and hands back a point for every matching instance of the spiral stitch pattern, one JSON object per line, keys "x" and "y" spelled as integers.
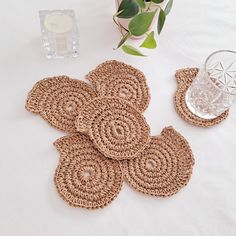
{"x": 117, "y": 129}
{"x": 163, "y": 168}
{"x": 84, "y": 177}
{"x": 117, "y": 79}
{"x": 58, "y": 100}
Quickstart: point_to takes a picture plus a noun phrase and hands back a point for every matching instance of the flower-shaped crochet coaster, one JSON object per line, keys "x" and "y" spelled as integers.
{"x": 58, "y": 100}
{"x": 117, "y": 79}
{"x": 116, "y": 136}
{"x": 184, "y": 78}
{"x": 163, "y": 168}
{"x": 84, "y": 177}
{"x": 117, "y": 129}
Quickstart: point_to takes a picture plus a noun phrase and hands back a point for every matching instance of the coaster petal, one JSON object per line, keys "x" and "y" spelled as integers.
{"x": 84, "y": 177}
{"x": 58, "y": 100}
{"x": 163, "y": 168}
{"x": 117, "y": 129}
{"x": 117, "y": 79}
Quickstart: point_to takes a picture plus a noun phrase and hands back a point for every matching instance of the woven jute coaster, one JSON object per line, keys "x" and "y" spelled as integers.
{"x": 163, "y": 168}
{"x": 58, "y": 100}
{"x": 117, "y": 129}
{"x": 117, "y": 79}
{"x": 184, "y": 78}
{"x": 84, "y": 177}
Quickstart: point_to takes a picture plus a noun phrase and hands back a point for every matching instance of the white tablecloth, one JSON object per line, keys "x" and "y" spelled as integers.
{"x": 29, "y": 203}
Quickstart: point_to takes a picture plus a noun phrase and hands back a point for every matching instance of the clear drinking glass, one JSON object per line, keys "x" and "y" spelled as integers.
{"x": 213, "y": 90}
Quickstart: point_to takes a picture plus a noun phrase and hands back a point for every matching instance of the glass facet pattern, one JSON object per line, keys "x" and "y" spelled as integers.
{"x": 213, "y": 91}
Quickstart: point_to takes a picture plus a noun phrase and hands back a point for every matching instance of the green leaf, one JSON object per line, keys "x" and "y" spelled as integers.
{"x": 149, "y": 41}
{"x": 141, "y": 3}
{"x": 127, "y": 9}
{"x": 124, "y": 38}
{"x": 140, "y": 24}
{"x": 161, "y": 21}
{"x": 157, "y": 1}
{"x": 131, "y": 50}
{"x": 168, "y": 7}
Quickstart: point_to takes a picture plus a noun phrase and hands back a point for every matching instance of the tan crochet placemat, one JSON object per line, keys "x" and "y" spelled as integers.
{"x": 58, "y": 100}
{"x": 84, "y": 177}
{"x": 117, "y": 79}
{"x": 117, "y": 129}
{"x": 184, "y": 78}
{"x": 163, "y": 168}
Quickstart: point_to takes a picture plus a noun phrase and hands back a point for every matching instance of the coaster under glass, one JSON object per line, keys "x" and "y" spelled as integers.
{"x": 213, "y": 91}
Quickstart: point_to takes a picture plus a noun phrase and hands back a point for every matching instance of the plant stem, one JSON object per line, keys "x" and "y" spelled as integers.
{"x": 114, "y": 19}
{"x": 120, "y": 27}
{"x": 149, "y": 6}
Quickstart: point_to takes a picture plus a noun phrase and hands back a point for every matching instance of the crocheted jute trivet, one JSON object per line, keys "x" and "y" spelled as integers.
{"x": 163, "y": 168}
{"x": 58, "y": 100}
{"x": 117, "y": 79}
{"x": 84, "y": 177}
{"x": 117, "y": 129}
{"x": 184, "y": 78}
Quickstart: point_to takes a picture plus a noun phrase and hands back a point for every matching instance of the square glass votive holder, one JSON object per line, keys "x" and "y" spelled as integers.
{"x": 59, "y": 33}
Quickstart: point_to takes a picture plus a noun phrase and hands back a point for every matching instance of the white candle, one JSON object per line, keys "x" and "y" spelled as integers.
{"x": 58, "y": 23}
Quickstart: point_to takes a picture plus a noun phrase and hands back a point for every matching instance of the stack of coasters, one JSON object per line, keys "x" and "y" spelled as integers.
{"x": 110, "y": 139}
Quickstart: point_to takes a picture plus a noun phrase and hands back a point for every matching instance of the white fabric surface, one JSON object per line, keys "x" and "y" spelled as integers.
{"x": 29, "y": 203}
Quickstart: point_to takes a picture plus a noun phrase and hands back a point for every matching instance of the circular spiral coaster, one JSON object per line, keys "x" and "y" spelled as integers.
{"x": 117, "y": 129}
{"x": 163, "y": 168}
{"x": 58, "y": 100}
{"x": 84, "y": 177}
{"x": 117, "y": 79}
{"x": 184, "y": 78}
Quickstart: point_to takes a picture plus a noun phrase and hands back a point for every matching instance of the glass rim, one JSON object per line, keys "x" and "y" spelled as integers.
{"x": 205, "y": 64}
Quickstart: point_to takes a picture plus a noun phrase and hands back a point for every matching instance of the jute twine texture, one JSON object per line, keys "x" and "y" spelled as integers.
{"x": 117, "y": 79}
{"x": 163, "y": 168}
{"x": 84, "y": 177}
{"x": 111, "y": 139}
{"x": 117, "y": 129}
{"x": 58, "y": 100}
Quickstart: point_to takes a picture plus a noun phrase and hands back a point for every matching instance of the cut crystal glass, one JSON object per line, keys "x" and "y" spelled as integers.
{"x": 213, "y": 90}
